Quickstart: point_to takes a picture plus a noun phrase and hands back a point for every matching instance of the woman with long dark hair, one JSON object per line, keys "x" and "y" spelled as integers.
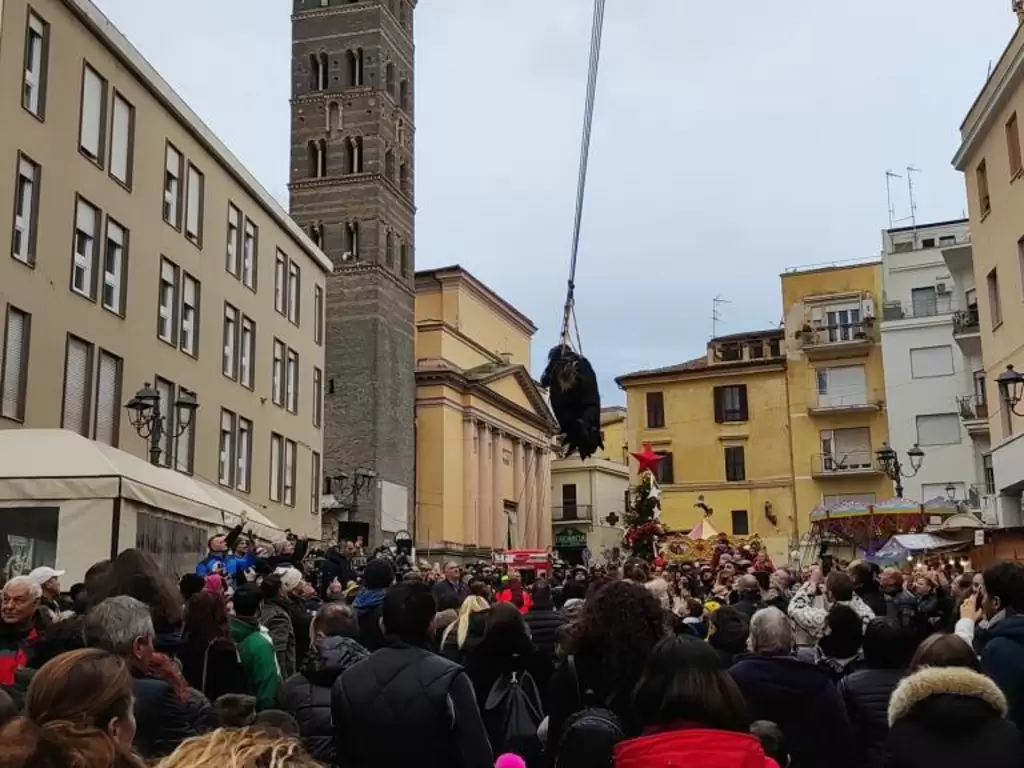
{"x": 607, "y": 647}
{"x": 78, "y": 712}
{"x": 208, "y": 655}
{"x": 135, "y": 573}
{"x": 690, "y": 712}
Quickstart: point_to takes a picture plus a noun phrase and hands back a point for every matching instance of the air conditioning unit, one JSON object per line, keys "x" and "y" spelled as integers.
{"x": 942, "y": 288}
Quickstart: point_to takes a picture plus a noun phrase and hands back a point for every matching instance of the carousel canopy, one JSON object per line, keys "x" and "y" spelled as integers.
{"x": 903, "y": 543}
{"x": 703, "y": 530}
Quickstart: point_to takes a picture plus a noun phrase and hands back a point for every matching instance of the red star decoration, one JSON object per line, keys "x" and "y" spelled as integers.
{"x": 647, "y": 459}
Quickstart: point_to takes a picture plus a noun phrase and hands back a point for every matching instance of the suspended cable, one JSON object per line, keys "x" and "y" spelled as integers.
{"x": 581, "y": 181}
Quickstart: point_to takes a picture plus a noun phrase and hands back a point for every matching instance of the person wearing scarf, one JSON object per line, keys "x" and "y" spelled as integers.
{"x": 377, "y": 577}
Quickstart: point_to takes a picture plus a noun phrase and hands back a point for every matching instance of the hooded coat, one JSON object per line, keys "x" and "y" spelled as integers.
{"x": 694, "y": 748}
{"x": 1002, "y": 659}
{"x": 801, "y": 699}
{"x": 307, "y": 694}
{"x": 866, "y": 694}
{"x": 949, "y": 717}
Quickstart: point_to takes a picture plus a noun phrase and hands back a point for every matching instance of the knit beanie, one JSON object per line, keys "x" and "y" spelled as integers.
{"x": 378, "y": 574}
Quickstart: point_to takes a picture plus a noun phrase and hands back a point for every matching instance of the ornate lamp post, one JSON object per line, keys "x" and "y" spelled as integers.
{"x": 889, "y": 462}
{"x": 1011, "y": 387}
{"x": 145, "y": 412}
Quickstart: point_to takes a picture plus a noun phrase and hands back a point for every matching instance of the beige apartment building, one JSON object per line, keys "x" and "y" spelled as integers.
{"x": 139, "y": 249}
{"x": 990, "y": 157}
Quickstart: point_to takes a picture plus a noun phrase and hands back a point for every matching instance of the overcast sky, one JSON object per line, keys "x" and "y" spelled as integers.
{"x": 731, "y": 140}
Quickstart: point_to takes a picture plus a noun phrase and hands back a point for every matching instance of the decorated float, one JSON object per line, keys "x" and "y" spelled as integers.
{"x": 865, "y": 528}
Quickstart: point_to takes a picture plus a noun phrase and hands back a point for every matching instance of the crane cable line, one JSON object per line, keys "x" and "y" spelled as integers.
{"x": 581, "y": 181}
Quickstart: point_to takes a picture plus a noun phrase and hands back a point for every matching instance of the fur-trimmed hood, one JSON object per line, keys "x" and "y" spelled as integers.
{"x": 948, "y": 681}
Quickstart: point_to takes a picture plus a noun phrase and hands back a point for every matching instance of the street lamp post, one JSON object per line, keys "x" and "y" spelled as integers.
{"x": 361, "y": 480}
{"x": 889, "y": 461}
{"x": 147, "y": 417}
{"x": 1011, "y": 387}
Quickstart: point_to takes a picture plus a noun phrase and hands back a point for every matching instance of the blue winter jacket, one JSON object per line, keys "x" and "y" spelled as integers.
{"x": 1002, "y": 659}
{"x": 233, "y": 564}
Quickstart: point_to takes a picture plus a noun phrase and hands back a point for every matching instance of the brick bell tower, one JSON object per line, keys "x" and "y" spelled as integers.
{"x": 352, "y": 190}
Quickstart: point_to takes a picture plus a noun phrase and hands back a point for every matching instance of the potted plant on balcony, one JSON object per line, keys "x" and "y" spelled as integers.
{"x": 805, "y": 330}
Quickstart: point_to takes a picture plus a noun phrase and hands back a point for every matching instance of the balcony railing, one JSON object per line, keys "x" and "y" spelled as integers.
{"x": 981, "y": 499}
{"x": 966, "y": 320}
{"x": 844, "y": 463}
{"x": 941, "y": 304}
{"x": 568, "y": 513}
{"x": 972, "y": 407}
{"x": 822, "y": 333}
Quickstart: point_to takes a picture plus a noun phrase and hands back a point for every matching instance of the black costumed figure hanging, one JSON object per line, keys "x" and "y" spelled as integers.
{"x": 569, "y": 377}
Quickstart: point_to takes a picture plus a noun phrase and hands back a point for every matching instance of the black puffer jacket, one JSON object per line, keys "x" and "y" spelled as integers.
{"x": 950, "y": 717}
{"x": 162, "y": 719}
{"x": 405, "y": 706}
{"x": 543, "y": 624}
{"x": 307, "y": 694}
{"x": 866, "y": 694}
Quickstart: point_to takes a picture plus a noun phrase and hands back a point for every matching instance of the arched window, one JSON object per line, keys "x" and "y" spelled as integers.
{"x": 321, "y": 159}
{"x": 403, "y": 178}
{"x": 400, "y": 133}
{"x": 324, "y": 71}
{"x": 403, "y": 94}
{"x": 318, "y": 72}
{"x": 316, "y": 234}
{"x": 311, "y": 154}
{"x": 352, "y": 238}
{"x": 389, "y": 77}
{"x": 389, "y": 166}
{"x": 389, "y": 250}
{"x": 333, "y": 118}
{"x": 357, "y": 154}
{"x": 354, "y": 60}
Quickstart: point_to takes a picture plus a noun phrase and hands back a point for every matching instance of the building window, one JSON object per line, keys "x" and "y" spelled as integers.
{"x": 389, "y": 166}
{"x": 122, "y": 140}
{"x": 243, "y": 480}
{"x": 14, "y": 374}
{"x": 277, "y": 383}
{"x": 731, "y": 403}
{"x": 389, "y": 79}
{"x": 83, "y": 272}
{"x": 37, "y": 54}
{"x": 755, "y": 349}
{"x": 230, "y": 366}
{"x": 247, "y": 344}
{"x": 166, "y": 315}
{"x": 185, "y": 444}
{"x": 318, "y": 397}
{"x": 403, "y": 258}
{"x": 354, "y": 154}
{"x": 318, "y": 315}
{"x": 167, "y": 444}
{"x": 994, "y": 303}
{"x": 655, "y": 410}
{"x": 354, "y": 65}
{"x": 317, "y": 159}
{"x": 289, "y": 473}
{"x": 845, "y": 450}
{"x": 928, "y": 362}
{"x": 292, "y": 382}
{"x": 735, "y": 464}
{"x": 172, "y": 187}
{"x": 226, "y": 475}
{"x": 925, "y": 302}
{"x": 294, "y": 291}
{"x": 981, "y": 175}
{"x": 108, "y": 399}
{"x": 250, "y": 246}
{"x": 938, "y": 429}
{"x": 26, "y": 210}
{"x": 775, "y": 348}
{"x": 194, "y": 210}
{"x": 115, "y": 267}
{"x": 234, "y": 245}
{"x": 403, "y": 178}
{"x": 352, "y": 239}
{"x": 665, "y": 472}
{"x": 740, "y": 523}
{"x": 188, "y": 338}
{"x": 334, "y": 118}
{"x": 389, "y": 249}
{"x": 94, "y": 108}
{"x": 276, "y": 478}
{"x": 77, "y": 397}
{"x": 314, "y": 490}
{"x": 281, "y": 283}
{"x": 842, "y": 386}
{"x": 1013, "y": 146}
{"x": 989, "y": 474}
{"x": 403, "y": 94}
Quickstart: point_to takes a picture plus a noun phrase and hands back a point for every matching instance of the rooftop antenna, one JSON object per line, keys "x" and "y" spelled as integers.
{"x": 889, "y": 176}
{"x": 716, "y": 316}
{"x": 911, "y": 170}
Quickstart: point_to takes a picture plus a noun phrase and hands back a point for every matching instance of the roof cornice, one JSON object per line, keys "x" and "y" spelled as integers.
{"x": 992, "y": 104}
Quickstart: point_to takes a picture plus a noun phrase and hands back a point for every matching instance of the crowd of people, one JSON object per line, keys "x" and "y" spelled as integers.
{"x": 274, "y": 658}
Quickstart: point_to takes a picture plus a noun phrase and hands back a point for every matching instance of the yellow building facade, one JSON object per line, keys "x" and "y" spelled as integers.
{"x": 721, "y": 423}
{"x": 613, "y": 433}
{"x": 483, "y": 426}
{"x": 836, "y": 386}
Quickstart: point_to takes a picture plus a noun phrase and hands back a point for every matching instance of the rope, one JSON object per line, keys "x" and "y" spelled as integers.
{"x": 581, "y": 181}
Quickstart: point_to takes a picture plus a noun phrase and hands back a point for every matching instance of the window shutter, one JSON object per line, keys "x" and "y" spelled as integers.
{"x": 76, "y": 388}
{"x": 719, "y": 405}
{"x": 92, "y": 113}
{"x": 744, "y": 415}
{"x": 106, "y": 399}
{"x": 120, "y": 139}
{"x": 14, "y": 364}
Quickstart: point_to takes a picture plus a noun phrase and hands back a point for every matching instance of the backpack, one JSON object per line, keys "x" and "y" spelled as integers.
{"x": 590, "y": 735}
{"x": 512, "y": 714}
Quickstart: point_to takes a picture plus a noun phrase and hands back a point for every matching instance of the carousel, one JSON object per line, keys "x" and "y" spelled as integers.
{"x": 866, "y": 528}
{"x": 700, "y": 543}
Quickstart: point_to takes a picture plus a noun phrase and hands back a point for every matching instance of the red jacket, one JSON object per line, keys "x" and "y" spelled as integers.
{"x": 14, "y": 654}
{"x": 505, "y": 596}
{"x": 693, "y": 748}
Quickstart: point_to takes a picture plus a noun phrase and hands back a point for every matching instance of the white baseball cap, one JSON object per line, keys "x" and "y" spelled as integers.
{"x": 43, "y": 574}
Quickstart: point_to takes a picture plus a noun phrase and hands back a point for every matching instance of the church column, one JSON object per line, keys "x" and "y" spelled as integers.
{"x": 544, "y": 481}
{"x": 499, "y": 523}
{"x": 470, "y": 468}
{"x": 517, "y": 490}
{"x": 529, "y": 501}
{"x": 483, "y": 495}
